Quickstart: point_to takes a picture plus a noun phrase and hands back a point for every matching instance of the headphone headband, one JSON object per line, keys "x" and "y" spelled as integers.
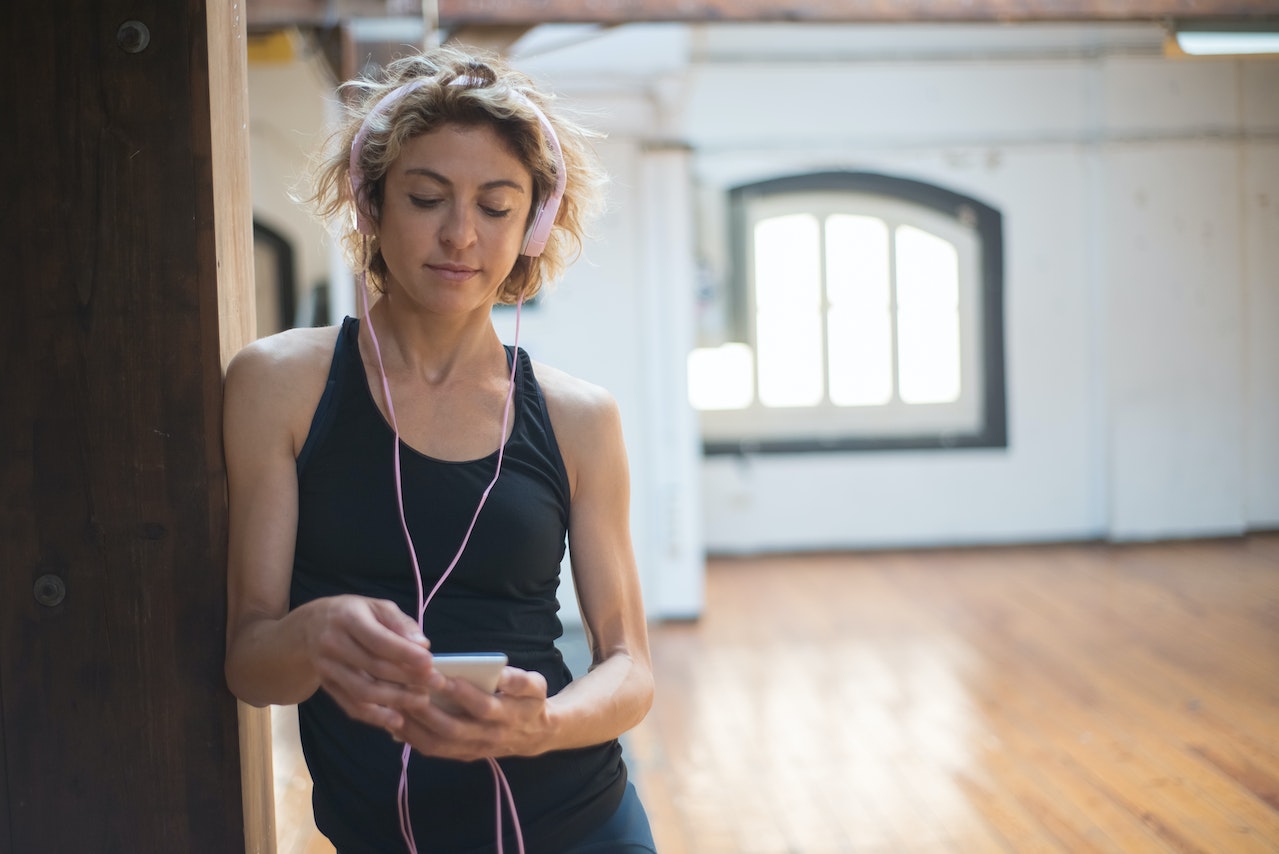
{"x": 539, "y": 231}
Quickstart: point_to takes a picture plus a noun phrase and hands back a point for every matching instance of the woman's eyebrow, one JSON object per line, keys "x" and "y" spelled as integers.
{"x": 438, "y": 178}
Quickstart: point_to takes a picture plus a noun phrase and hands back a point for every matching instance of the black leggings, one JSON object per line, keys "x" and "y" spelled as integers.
{"x": 627, "y": 832}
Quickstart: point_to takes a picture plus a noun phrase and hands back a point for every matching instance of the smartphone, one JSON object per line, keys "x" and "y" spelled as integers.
{"x": 481, "y": 669}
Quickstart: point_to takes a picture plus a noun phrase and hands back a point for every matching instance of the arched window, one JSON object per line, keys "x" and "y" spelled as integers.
{"x": 274, "y": 277}
{"x": 866, "y": 313}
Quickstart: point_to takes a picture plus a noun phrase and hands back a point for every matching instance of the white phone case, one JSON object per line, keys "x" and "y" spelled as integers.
{"x": 481, "y": 669}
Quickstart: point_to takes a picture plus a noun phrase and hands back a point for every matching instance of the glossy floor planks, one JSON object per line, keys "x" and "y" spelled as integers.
{"x": 1058, "y": 698}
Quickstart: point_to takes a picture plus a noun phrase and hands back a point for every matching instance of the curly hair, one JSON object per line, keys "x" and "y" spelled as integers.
{"x": 487, "y": 93}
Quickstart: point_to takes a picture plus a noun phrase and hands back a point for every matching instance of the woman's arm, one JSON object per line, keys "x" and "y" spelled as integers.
{"x": 618, "y": 691}
{"x": 363, "y": 651}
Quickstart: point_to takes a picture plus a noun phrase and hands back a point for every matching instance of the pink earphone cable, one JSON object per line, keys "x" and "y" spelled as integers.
{"x": 534, "y": 243}
{"x": 500, "y": 783}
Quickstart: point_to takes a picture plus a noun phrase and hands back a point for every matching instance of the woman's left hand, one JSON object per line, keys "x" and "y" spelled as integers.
{"x": 515, "y": 721}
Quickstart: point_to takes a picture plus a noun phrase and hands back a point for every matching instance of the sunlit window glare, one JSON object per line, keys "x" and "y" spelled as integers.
{"x": 788, "y": 317}
{"x": 927, "y": 317}
{"x": 720, "y": 377}
{"x": 859, "y": 321}
{"x": 849, "y": 310}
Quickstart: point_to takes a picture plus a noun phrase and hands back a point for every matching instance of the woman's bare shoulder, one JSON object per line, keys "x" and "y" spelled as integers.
{"x": 276, "y": 382}
{"x": 588, "y": 429}
{"x": 585, "y": 418}
{"x": 573, "y": 398}
{"x": 291, "y": 354}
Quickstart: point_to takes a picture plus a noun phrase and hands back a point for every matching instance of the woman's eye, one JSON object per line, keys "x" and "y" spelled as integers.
{"x": 421, "y": 202}
{"x": 496, "y": 212}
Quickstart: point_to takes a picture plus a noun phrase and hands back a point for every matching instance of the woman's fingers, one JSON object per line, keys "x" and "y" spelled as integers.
{"x": 400, "y": 623}
{"x": 367, "y": 656}
{"x": 522, "y": 683}
{"x": 459, "y": 721}
{"x": 385, "y": 633}
{"x": 432, "y": 731}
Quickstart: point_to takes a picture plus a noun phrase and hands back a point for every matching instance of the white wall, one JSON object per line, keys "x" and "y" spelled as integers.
{"x": 287, "y": 122}
{"x": 1175, "y": 300}
{"x": 1260, "y": 212}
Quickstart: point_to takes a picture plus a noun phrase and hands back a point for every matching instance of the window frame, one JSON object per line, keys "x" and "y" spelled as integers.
{"x": 280, "y": 256}
{"x": 987, "y": 224}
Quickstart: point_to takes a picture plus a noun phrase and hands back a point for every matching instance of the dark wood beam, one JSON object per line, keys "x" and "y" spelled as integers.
{"x": 127, "y": 256}
{"x": 454, "y": 13}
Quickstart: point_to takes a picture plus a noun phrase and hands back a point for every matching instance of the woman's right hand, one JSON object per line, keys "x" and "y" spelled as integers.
{"x": 369, "y": 656}
{"x": 367, "y": 653}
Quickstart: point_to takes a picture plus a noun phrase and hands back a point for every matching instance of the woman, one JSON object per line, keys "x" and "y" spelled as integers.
{"x": 369, "y": 485}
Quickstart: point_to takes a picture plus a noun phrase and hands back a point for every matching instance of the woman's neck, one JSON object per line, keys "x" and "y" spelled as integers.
{"x": 436, "y": 348}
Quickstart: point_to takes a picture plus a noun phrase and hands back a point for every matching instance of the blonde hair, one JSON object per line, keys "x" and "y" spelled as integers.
{"x": 488, "y": 93}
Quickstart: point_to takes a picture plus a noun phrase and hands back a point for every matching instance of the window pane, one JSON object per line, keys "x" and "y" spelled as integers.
{"x": 790, "y": 357}
{"x": 927, "y": 317}
{"x": 861, "y": 367}
{"x": 787, "y": 265}
{"x": 858, "y": 321}
{"x": 928, "y": 355}
{"x": 857, "y": 260}
{"x": 720, "y": 377}
{"x": 788, "y": 310}
{"x": 927, "y": 270}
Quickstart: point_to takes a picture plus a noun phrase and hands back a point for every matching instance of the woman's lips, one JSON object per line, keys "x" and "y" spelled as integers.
{"x": 453, "y": 272}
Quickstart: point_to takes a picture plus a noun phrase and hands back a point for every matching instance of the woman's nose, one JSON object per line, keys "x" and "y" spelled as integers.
{"x": 458, "y": 229}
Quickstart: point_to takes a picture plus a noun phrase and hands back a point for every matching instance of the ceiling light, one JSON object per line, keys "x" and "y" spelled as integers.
{"x": 1227, "y": 38}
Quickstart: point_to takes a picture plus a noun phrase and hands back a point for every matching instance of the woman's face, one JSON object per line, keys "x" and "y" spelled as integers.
{"x": 454, "y": 212}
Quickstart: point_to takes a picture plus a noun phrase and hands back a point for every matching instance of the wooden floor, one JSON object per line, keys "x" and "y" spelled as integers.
{"x": 1056, "y": 698}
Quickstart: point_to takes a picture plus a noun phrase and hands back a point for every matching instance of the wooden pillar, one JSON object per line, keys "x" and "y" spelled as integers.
{"x": 126, "y": 286}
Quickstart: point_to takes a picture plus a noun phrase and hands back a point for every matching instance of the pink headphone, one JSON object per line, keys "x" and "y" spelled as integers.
{"x": 540, "y": 229}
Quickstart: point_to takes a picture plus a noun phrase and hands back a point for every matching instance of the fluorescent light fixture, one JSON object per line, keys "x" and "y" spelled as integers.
{"x": 1228, "y": 38}
{"x": 1227, "y": 44}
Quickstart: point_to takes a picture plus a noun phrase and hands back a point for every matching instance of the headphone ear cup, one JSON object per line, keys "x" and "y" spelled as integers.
{"x": 363, "y": 221}
{"x": 540, "y": 231}
{"x": 363, "y": 224}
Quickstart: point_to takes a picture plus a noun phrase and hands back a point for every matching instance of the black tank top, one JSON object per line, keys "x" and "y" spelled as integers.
{"x": 500, "y": 597}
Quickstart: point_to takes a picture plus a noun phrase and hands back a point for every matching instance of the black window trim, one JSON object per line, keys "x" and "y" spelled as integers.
{"x": 988, "y": 224}
{"x": 282, "y": 255}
